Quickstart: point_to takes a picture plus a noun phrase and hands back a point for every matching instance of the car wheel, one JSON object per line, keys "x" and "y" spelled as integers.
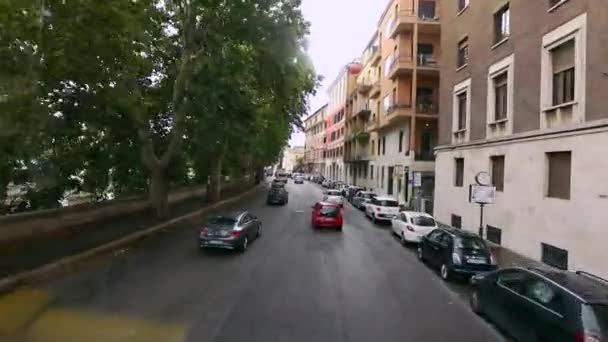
{"x": 403, "y": 240}
{"x": 340, "y": 227}
{"x": 374, "y": 218}
{"x": 244, "y": 245}
{"x": 259, "y": 233}
{"x": 420, "y": 254}
{"x": 444, "y": 272}
{"x": 475, "y": 303}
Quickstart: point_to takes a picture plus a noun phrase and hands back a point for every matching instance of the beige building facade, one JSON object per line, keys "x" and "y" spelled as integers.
{"x": 314, "y": 128}
{"x": 523, "y": 91}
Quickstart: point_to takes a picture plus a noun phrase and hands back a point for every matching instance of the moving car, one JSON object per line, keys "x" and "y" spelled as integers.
{"x": 335, "y": 199}
{"x": 541, "y": 304}
{"x": 298, "y": 180}
{"x": 382, "y": 209}
{"x": 411, "y": 226}
{"x": 331, "y": 192}
{"x": 456, "y": 252}
{"x": 232, "y": 231}
{"x": 327, "y": 214}
{"x": 325, "y": 183}
{"x": 360, "y": 198}
{"x": 277, "y": 196}
{"x": 351, "y": 191}
{"x": 278, "y": 183}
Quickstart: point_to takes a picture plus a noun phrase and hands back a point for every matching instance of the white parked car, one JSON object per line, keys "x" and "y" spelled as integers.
{"x": 335, "y": 199}
{"x": 382, "y": 209}
{"x": 331, "y": 192}
{"x": 412, "y": 226}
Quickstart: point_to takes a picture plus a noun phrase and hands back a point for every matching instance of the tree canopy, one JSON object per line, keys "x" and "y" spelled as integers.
{"x": 134, "y": 96}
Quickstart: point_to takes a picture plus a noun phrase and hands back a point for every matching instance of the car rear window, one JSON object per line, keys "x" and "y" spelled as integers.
{"x": 423, "y": 221}
{"x": 471, "y": 243}
{"x": 222, "y": 220}
{"x": 369, "y": 195}
{"x": 595, "y": 318}
{"x": 329, "y": 211}
{"x": 390, "y": 204}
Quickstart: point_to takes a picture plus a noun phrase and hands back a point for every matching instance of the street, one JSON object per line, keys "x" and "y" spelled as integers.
{"x": 293, "y": 284}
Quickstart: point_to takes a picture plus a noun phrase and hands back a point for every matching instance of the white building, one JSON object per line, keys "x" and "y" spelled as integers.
{"x": 292, "y": 156}
{"x": 533, "y": 115}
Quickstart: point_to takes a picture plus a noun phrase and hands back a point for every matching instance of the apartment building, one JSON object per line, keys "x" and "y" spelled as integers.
{"x": 358, "y": 155}
{"x": 404, "y": 102}
{"x": 523, "y": 94}
{"x": 314, "y": 128}
{"x": 335, "y": 125}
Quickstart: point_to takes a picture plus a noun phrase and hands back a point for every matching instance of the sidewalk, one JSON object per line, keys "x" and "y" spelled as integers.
{"x": 32, "y": 254}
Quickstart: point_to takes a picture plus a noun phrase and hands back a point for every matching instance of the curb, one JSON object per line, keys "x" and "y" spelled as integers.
{"x": 64, "y": 265}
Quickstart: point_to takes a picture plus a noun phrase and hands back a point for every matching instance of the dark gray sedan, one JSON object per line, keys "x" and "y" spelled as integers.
{"x": 232, "y": 231}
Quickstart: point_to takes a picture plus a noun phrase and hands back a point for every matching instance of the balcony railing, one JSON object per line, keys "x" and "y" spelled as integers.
{"x": 396, "y": 106}
{"x": 427, "y": 106}
{"x": 425, "y": 155}
{"x": 400, "y": 63}
{"x": 402, "y": 22}
{"x": 427, "y": 61}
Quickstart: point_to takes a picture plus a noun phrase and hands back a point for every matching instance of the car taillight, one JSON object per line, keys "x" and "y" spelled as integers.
{"x": 234, "y": 233}
{"x": 204, "y": 231}
{"x": 378, "y": 209}
{"x": 410, "y": 228}
{"x": 584, "y": 336}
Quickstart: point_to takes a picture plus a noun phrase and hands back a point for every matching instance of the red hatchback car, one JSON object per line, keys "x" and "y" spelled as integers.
{"x": 327, "y": 214}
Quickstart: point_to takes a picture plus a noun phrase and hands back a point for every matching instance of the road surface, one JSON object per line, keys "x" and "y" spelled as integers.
{"x": 294, "y": 284}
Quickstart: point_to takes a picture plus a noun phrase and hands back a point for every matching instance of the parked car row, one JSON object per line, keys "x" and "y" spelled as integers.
{"x": 528, "y": 304}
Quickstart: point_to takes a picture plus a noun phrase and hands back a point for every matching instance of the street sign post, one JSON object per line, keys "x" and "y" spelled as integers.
{"x": 482, "y": 193}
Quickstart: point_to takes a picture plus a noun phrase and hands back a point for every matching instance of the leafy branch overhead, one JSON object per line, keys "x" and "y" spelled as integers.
{"x": 128, "y": 96}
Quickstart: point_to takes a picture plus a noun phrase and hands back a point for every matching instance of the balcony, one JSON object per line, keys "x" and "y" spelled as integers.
{"x": 364, "y": 87}
{"x": 397, "y": 113}
{"x": 364, "y": 112}
{"x": 375, "y": 91}
{"x": 376, "y": 57}
{"x": 425, "y": 155}
{"x": 403, "y": 22}
{"x": 401, "y": 65}
{"x": 427, "y": 63}
{"x": 427, "y": 106}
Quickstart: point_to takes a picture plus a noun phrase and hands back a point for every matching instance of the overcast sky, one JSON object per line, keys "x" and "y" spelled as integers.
{"x": 340, "y": 31}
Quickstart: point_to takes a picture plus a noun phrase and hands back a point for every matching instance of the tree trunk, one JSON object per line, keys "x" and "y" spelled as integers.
{"x": 159, "y": 192}
{"x": 215, "y": 178}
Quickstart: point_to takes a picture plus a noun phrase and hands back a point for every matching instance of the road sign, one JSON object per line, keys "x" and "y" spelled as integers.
{"x": 418, "y": 179}
{"x": 482, "y": 194}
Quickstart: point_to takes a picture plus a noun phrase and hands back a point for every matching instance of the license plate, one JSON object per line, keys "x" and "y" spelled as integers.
{"x": 477, "y": 261}
{"x": 215, "y": 242}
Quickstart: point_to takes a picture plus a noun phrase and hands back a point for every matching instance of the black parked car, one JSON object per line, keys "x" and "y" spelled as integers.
{"x": 232, "y": 231}
{"x": 456, "y": 252}
{"x": 534, "y": 304}
{"x": 277, "y": 196}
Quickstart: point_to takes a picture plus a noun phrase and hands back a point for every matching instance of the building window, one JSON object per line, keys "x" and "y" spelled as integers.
{"x": 459, "y": 172}
{"x": 494, "y": 234}
{"x": 371, "y": 172}
{"x": 562, "y": 58}
{"x": 563, "y": 74}
{"x": 373, "y": 147}
{"x": 462, "y": 4}
{"x": 559, "y": 170}
{"x": 456, "y": 221}
{"x": 386, "y": 103}
{"x": 387, "y": 64}
{"x": 555, "y": 3}
{"x": 500, "y": 96}
{"x": 382, "y": 178}
{"x": 384, "y": 145}
{"x": 379, "y": 143}
{"x": 554, "y": 256}
{"x": 400, "y": 141}
{"x": 462, "y": 110}
{"x": 502, "y": 24}
{"x": 498, "y": 172}
{"x": 463, "y": 52}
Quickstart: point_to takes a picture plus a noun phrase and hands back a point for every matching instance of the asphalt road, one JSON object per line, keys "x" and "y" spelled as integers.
{"x": 294, "y": 284}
